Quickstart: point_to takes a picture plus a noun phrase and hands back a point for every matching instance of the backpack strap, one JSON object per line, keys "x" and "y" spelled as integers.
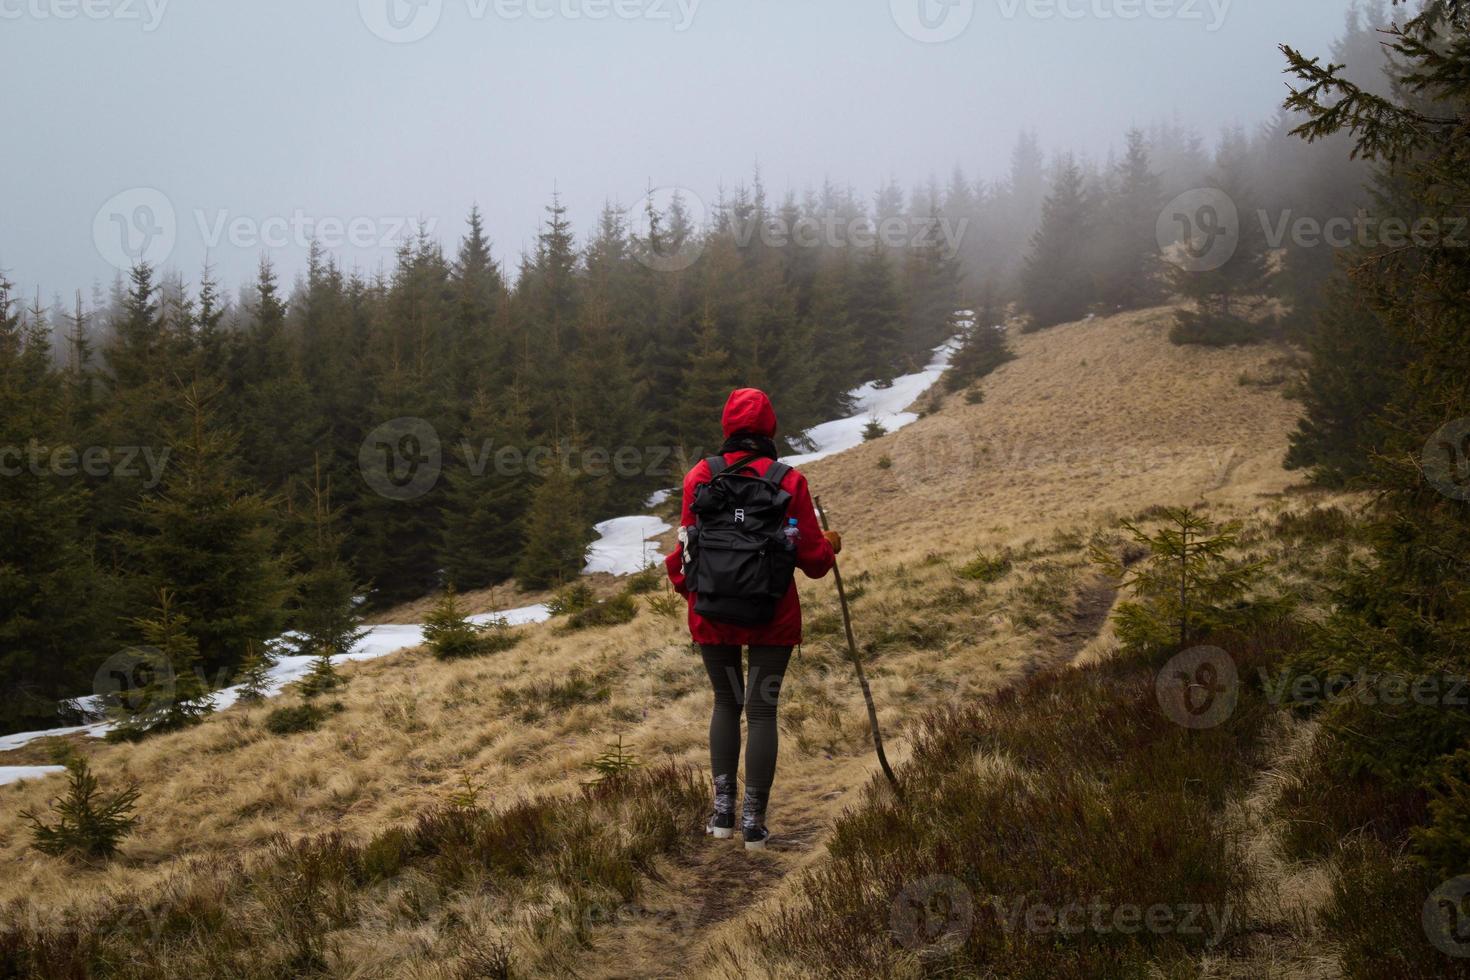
{"x": 777, "y": 473}
{"x": 717, "y": 465}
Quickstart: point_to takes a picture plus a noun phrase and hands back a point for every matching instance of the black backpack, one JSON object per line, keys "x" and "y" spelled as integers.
{"x": 739, "y": 565}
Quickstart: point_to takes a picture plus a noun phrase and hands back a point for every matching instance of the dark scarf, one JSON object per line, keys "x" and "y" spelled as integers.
{"x": 749, "y": 442}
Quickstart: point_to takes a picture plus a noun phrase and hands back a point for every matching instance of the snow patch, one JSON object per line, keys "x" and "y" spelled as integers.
{"x": 539, "y": 613}
{"x": 884, "y": 404}
{"x": 20, "y": 739}
{"x": 14, "y": 774}
{"x": 623, "y": 545}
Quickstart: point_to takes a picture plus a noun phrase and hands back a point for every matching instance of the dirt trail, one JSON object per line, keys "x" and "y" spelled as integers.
{"x": 678, "y": 926}
{"x": 690, "y": 898}
{"x": 1090, "y": 609}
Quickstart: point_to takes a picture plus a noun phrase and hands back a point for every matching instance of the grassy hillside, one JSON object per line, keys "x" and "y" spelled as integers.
{"x": 968, "y": 561}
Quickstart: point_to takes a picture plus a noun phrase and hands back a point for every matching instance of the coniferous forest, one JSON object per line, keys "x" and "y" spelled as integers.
{"x": 256, "y": 466}
{"x": 244, "y": 479}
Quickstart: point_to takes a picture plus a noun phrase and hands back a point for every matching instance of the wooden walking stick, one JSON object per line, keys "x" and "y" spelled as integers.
{"x": 857, "y": 663}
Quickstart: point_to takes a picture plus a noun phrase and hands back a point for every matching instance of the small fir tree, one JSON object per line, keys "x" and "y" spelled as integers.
{"x": 255, "y": 674}
{"x": 323, "y": 677}
{"x": 448, "y": 632}
{"x": 1187, "y": 586}
{"x": 90, "y": 824}
{"x": 983, "y": 348}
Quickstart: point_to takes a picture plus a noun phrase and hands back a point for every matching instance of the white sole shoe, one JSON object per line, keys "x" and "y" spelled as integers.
{"x": 720, "y": 833}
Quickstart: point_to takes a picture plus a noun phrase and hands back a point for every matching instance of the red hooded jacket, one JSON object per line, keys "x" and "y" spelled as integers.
{"x": 749, "y": 410}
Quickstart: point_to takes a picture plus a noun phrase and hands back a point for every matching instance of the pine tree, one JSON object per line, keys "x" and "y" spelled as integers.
{"x": 210, "y": 541}
{"x": 323, "y": 677}
{"x": 56, "y": 610}
{"x": 255, "y": 674}
{"x": 888, "y": 202}
{"x": 398, "y": 536}
{"x": 841, "y": 362}
{"x": 873, "y": 309}
{"x": 1017, "y": 208}
{"x": 795, "y": 386}
{"x": 709, "y": 377}
{"x": 326, "y": 617}
{"x": 1125, "y": 249}
{"x": 80, "y": 392}
{"x": 1224, "y": 296}
{"x": 607, "y": 414}
{"x": 90, "y": 824}
{"x": 276, "y": 417}
{"x": 334, "y": 339}
{"x": 1187, "y": 588}
{"x": 477, "y": 350}
{"x": 556, "y": 262}
{"x": 1355, "y": 364}
{"x": 1056, "y": 286}
{"x": 139, "y": 382}
{"x": 489, "y": 488}
{"x": 557, "y": 533}
{"x": 138, "y": 334}
{"x": 933, "y": 290}
{"x": 213, "y": 344}
{"x": 984, "y": 346}
{"x": 451, "y": 635}
{"x": 612, "y": 284}
{"x": 173, "y": 693}
{"x": 1407, "y": 611}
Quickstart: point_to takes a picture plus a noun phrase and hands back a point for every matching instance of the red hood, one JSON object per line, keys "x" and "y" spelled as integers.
{"x": 749, "y": 410}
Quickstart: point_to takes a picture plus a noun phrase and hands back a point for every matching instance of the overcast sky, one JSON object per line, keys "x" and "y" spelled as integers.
{"x": 172, "y": 127}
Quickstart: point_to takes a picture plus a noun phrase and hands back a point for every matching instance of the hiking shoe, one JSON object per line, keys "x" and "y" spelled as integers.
{"x": 755, "y": 838}
{"x": 753, "y": 820}
{"x": 722, "y": 822}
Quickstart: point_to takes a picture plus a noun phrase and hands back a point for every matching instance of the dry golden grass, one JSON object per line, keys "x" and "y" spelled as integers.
{"x": 1092, "y": 422}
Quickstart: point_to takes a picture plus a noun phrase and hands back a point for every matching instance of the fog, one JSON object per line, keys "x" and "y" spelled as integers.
{"x": 260, "y": 124}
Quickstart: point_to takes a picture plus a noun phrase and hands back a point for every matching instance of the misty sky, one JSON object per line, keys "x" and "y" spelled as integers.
{"x": 235, "y": 113}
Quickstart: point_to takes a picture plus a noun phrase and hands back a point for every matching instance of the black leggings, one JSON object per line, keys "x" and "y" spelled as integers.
{"x": 758, "y": 696}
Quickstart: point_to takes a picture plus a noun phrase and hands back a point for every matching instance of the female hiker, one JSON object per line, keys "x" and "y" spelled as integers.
{"x": 747, "y": 524}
